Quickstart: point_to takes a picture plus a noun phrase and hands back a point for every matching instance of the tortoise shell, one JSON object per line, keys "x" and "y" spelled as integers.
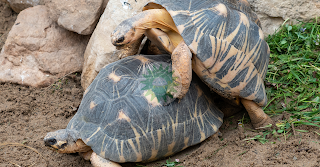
{"x": 231, "y": 54}
{"x": 126, "y": 115}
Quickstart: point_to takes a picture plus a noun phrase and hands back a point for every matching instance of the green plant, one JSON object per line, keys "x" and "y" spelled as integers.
{"x": 168, "y": 163}
{"x": 292, "y": 80}
{"x": 261, "y": 138}
{"x": 157, "y": 82}
{"x": 293, "y": 75}
{"x": 292, "y": 38}
{"x": 57, "y": 85}
{"x": 244, "y": 120}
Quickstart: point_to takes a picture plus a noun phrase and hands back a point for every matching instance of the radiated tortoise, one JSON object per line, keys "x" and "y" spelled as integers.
{"x": 221, "y": 40}
{"x": 126, "y": 115}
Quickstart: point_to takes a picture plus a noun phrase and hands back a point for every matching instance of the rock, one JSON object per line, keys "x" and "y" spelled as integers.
{"x": 100, "y": 50}
{"x": 19, "y": 5}
{"x": 37, "y": 51}
{"x": 7, "y": 19}
{"x": 80, "y": 16}
{"x": 273, "y": 13}
{"x": 104, "y": 5}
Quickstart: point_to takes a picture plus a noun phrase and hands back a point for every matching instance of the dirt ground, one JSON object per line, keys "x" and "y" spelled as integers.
{"x": 27, "y": 114}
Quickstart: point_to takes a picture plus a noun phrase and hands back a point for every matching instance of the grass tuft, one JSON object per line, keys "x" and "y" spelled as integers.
{"x": 290, "y": 39}
{"x": 292, "y": 81}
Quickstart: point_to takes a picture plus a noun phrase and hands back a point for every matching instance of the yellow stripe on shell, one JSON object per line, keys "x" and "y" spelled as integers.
{"x": 170, "y": 148}
{"x": 86, "y": 91}
{"x": 186, "y": 140}
{"x": 114, "y": 77}
{"x": 222, "y": 9}
{"x": 88, "y": 139}
{"x": 122, "y": 115}
{"x": 121, "y": 157}
{"x": 138, "y": 154}
{"x": 202, "y": 134}
{"x": 102, "y": 153}
{"x": 201, "y": 68}
{"x": 92, "y": 105}
{"x": 154, "y": 154}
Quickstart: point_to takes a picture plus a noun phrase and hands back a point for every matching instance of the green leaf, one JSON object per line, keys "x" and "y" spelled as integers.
{"x": 301, "y": 130}
{"x": 280, "y": 131}
{"x": 296, "y": 76}
{"x": 150, "y": 92}
{"x": 283, "y": 42}
{"x": 316, "y": 100}
{"x": 287, "y": 125}
{"x": 302, "y": 107}
{"x": 157, "y": 91}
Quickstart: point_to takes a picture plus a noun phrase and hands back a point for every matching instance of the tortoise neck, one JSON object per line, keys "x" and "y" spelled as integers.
{"x": 155, "y": 18}
{"x": 158, "y": 19}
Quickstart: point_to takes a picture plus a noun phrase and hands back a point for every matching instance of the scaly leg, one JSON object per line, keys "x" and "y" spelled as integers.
{"x": 182, "y": 71}
{"x": 258, "y": 118}
{"x": 98, "y": 161}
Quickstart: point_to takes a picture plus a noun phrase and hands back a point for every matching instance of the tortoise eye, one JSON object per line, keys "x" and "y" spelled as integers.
{"x": 121, "y": 39}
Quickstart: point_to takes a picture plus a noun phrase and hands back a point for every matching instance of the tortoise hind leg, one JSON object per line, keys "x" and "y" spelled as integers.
{"x": 258, "y": 118}
{"x": 182, "y": 71}
{"x": 98, "y": 161}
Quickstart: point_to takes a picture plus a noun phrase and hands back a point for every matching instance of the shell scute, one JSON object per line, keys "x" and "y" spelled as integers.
{"x": 112, "y": 89}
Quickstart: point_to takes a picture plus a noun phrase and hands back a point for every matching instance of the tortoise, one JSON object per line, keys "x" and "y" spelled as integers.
{"x": 220, "y": 40}
{"x": 126, "y": 115}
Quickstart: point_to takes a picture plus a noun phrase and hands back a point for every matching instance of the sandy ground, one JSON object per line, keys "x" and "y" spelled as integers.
{"x": 27, "y": 114}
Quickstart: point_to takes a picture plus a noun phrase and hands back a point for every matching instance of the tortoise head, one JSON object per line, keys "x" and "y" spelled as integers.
{"x": 125, "y": 33}
{"x": 65, "y": 141}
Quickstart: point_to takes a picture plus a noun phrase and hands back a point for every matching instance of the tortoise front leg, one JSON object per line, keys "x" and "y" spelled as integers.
{"x": 182, "y": 71}
{"x": 181, "y": 60}
{"x": 258, "y": 118}
{"x": 98, "y": 161}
